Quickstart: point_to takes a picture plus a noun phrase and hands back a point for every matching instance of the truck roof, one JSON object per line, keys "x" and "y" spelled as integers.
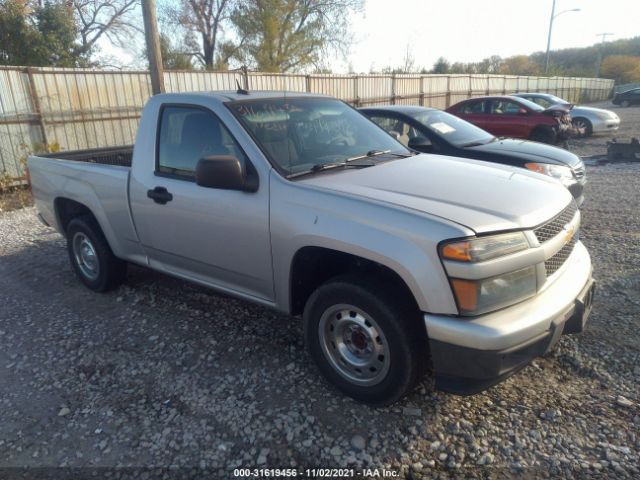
{"x": 232, "y": 95}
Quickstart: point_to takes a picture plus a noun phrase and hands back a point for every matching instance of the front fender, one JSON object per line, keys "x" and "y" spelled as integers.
{"x": 402, "y": 240}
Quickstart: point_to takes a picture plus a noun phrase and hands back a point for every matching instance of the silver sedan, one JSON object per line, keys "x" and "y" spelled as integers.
{"x": 588, "y": 119}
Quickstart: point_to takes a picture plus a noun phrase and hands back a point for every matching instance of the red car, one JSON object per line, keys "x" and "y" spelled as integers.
{"x": 516, "y": 118}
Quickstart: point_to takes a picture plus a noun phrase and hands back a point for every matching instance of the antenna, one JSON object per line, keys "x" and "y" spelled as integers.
{"x": 241, "y": 90}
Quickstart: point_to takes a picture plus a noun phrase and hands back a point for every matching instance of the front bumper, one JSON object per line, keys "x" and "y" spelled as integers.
{"x": 604, "y": 126}
{"x": 565, "y": 131}
{"x": 470, "y": 355}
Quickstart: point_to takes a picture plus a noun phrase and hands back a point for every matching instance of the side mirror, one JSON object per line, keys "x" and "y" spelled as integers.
{"x": 421, "y": 144}
{"x": 523, "y": 111}
{"x": 225, "y": 172}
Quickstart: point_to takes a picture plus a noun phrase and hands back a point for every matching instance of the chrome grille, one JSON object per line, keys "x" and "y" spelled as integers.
{"x": 552, "y": 264}
{"x": 554, "y": 226}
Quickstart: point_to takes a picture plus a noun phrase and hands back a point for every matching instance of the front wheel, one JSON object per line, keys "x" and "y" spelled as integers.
{"x": 584, "y": 125}
{"x": 365, "y": 340}
{"x": 625, "y": 103}
{"x": 91, "y": 257}
{"x": 543, "y": 135}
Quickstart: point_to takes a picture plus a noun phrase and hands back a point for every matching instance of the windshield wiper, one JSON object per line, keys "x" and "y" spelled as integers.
{"x": 370, "y": 153}
{"x": 325, "y": 166}
{"x": 345, "y": 163}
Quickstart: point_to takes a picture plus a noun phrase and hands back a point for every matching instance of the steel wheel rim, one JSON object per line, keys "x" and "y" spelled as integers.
{"x": 625, "y": 103}
{"x": 85, "y": 255}
{"x": 580, "y": 124}
{"x": 354, "y": 344}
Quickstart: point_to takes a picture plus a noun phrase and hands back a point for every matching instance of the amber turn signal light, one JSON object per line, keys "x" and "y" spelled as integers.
{"x": 457, "y": 251}
{"x": 466, "y": 292}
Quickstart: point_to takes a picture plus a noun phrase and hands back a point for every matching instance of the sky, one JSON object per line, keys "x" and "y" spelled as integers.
{"x": 470, "y": 30}
{"x": 467, "y": 30}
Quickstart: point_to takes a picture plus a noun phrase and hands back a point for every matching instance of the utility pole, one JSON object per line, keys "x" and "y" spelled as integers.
{"x": 553, "y": 15}
{"x": 153, "y": 45}
{"x": 601, "y": 51}
{"x": 551, "y": 19}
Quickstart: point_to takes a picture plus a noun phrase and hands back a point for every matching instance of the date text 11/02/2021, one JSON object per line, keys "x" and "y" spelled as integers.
{"x": 315, "y": 472}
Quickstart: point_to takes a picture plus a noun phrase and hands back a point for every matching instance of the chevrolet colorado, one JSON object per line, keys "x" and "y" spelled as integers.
{"x": 395, "y": 260}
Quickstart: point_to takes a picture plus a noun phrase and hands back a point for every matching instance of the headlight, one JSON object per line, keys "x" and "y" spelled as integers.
{"x": 559, "y": 172}
{"x": 484, "y": 248}
{"x": 606, "y": 115}
{"x": 475, "y": 297}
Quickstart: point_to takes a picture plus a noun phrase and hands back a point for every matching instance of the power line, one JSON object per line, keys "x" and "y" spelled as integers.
{"x": 604, "y": 36}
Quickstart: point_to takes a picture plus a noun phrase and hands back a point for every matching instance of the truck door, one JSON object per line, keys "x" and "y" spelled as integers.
{"x": 214, "y": 236}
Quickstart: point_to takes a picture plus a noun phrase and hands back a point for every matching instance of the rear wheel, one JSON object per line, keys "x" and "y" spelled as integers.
{"x": 584, "y": 125}
{"x": 365, "y": 339}
{"x": 543, "y": 135}
{"x": 91, "y": 257}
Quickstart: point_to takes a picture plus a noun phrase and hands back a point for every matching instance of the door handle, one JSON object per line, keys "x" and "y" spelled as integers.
{"x": 160, "y": 195}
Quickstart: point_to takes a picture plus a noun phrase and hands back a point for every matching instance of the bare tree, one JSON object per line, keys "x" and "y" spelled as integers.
{"x": 111, "y": 19}
{"x": 408, "y": 61}
{"x": 203, "y": 22}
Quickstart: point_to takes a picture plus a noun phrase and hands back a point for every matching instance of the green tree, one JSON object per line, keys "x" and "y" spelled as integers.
{"x": 57, "y": 37}
{"x": 622, "y": 68}
{"x": 15, "y": 33}
{"x": 441, "y": 66}
{"x": 519, "y": 65}
{"x": 172, "y": 59}
{"x": 283, "y": 35}
{"x": 40, "y": 36}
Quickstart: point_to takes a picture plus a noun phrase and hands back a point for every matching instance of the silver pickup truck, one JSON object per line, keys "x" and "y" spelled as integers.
{"x": 396, "y": 261}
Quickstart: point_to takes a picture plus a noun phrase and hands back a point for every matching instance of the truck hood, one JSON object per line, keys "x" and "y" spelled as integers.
{"x": 530, "y": 151}
{"x": 481, "y": 196}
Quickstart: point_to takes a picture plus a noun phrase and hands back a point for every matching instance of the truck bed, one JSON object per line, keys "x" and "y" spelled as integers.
{"x": 97, "y": 179}
{"x": 120, "y": 156}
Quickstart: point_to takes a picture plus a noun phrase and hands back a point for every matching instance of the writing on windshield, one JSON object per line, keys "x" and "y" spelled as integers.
{"x": 297, "y": 134}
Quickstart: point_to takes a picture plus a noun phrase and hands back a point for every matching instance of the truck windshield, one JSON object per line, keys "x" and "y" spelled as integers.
{"x": 306, "y": 134}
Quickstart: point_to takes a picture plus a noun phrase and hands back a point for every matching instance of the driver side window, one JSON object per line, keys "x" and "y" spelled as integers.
{"x": 187, "y": 134}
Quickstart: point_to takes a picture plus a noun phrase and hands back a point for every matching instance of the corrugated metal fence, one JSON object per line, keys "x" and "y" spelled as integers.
{"x": 78, "y": 108}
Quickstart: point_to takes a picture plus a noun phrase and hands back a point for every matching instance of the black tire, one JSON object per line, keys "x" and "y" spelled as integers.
{"x": 581, "y": 122}
{"x": 543, "y": 135}
{"x": 85, "y": 235}
{"x": 396, "y": 323}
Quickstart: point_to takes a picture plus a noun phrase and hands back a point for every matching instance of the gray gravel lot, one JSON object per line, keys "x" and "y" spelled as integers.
{"x": 597, "y": 144}
{"x": 163, "y": 373}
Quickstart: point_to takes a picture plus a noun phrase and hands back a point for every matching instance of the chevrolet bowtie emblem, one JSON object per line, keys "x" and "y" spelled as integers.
{"x": 570, "y": 230}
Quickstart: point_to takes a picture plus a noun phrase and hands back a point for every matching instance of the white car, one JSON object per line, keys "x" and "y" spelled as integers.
{"x": 591, "y": 120}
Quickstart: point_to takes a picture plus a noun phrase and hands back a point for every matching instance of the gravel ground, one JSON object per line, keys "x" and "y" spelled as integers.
{"x": 597, "y": 144}
{"x": 161, "y": 374}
